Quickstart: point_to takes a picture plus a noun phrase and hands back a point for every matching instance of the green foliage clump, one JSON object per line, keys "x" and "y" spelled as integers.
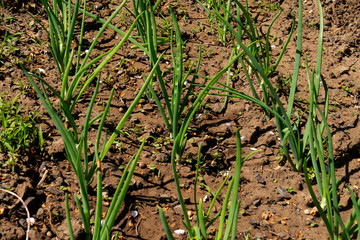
{"x": 18, "y": 131}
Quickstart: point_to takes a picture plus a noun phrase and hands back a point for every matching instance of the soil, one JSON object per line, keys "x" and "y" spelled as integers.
{"x": 274, "y": 198}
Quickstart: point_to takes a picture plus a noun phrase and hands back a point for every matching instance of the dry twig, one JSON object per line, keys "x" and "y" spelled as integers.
{"x": 26, "y": 209}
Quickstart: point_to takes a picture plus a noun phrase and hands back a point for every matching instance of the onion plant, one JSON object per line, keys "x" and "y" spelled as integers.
{"x": 220, "y": 8}
{"x": 257, "y": 63}
{"x": 314, "y": 143}
{"x": 228, "y": 216}
{"x": 62, "y": 19}
{"x": 322, "y": 159}
{"x": 76, "y": 148}
{"x": 180, "y": 105}
{"x": 62, "y": 22}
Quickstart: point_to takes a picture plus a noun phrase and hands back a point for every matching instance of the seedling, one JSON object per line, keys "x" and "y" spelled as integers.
{"x": 18, "y": 130}
{"x": 290, "y": 189}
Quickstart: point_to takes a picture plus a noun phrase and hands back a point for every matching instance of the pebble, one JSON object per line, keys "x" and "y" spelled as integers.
{"x": 260, "y": 179}
{"x": 178, "y": 210}
{"x": 162, "y": 157}
{"x": 39, "y": 212}
{"x": 179, "y": 231}
{"x": 283, "y": 235}
{"x": 265, "y": 216}
{"x": 164, "y": 198}
{"x": 138, "y": 184}
{"x": 148, "y": 107}
{"x": 282, "y": 203}
{"x": 22, "y": 223}
{"x": 43, "y": 167}
{"x": 257, "y": 202}
{"x": 272, "y": 210}
{"x": 32, "y": 234}
{"x": 254, "y": 222}
{"x": 270, "y": 139}
{"x": 309, "y": 220}
{"x": 59, "y": 181}
{"x": 259, "y": 235}
{"x": 307, "y": 211}
{"x": 54, "y": 191}
{"x": 142, "y": 165}
{"x": 283, "y": 192}
{"x": 217, "y": 107}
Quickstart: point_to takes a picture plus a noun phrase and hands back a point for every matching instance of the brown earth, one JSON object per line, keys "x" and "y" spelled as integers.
{"x": 266, "y": 212}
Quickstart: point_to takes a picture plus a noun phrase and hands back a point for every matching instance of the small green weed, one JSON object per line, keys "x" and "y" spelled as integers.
{"x": 290, "y": 189}
{"x": 8, "y": 43}
{"x": 17, "y": 130}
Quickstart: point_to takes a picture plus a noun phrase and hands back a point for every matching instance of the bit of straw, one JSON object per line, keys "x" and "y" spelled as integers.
{"x": 27, "y": 210}
{"x": 43, "y": 178}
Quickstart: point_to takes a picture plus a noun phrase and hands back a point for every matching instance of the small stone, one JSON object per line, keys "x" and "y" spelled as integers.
{"x": 265, "y": 215}
{"x": 29, "y": 202}
{"x": 254, "y": 222}
{"x": 164, "y": 198}
{"x": 309, "y": 220}
{"x": 32, "y": 234}
{"x": 179, "y": 231}
{"x": 259, "y": 235}
{"x": 257, "y": 202}
{"x": 49, "y": 234}
{"x": 283, "y": 192}
{"x": 178, "y": 210}
{"x": 39, "y": 212}
{"x": 59, "y": 181}
{"x": 187, "y": 200}
{"x": 283, "y": 235}
{"x": 148, "y": 107}
{"x": 307, "y": 211}
{"x": 23, "y": 223}
{"x": 272, "y": 210}
{"x": 54, "y": 191}
{"x": 270, "y": 139}
{"x": 314, "y": 211}
{"x": 217, "y": 107}
{"x": 138, "y": 184}
{"x": 162, "y": 157}
{"x": 142, "y": 165}
{"x": 260, "y": 179}
{"x": 282, "y": 203}
{"x": 43, "y": 167}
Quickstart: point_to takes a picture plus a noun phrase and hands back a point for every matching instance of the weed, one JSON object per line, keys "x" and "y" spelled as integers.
{"x": 272, "y": 7}
{"x": 290, "y": 189}
{"x": 18, "y": 131}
